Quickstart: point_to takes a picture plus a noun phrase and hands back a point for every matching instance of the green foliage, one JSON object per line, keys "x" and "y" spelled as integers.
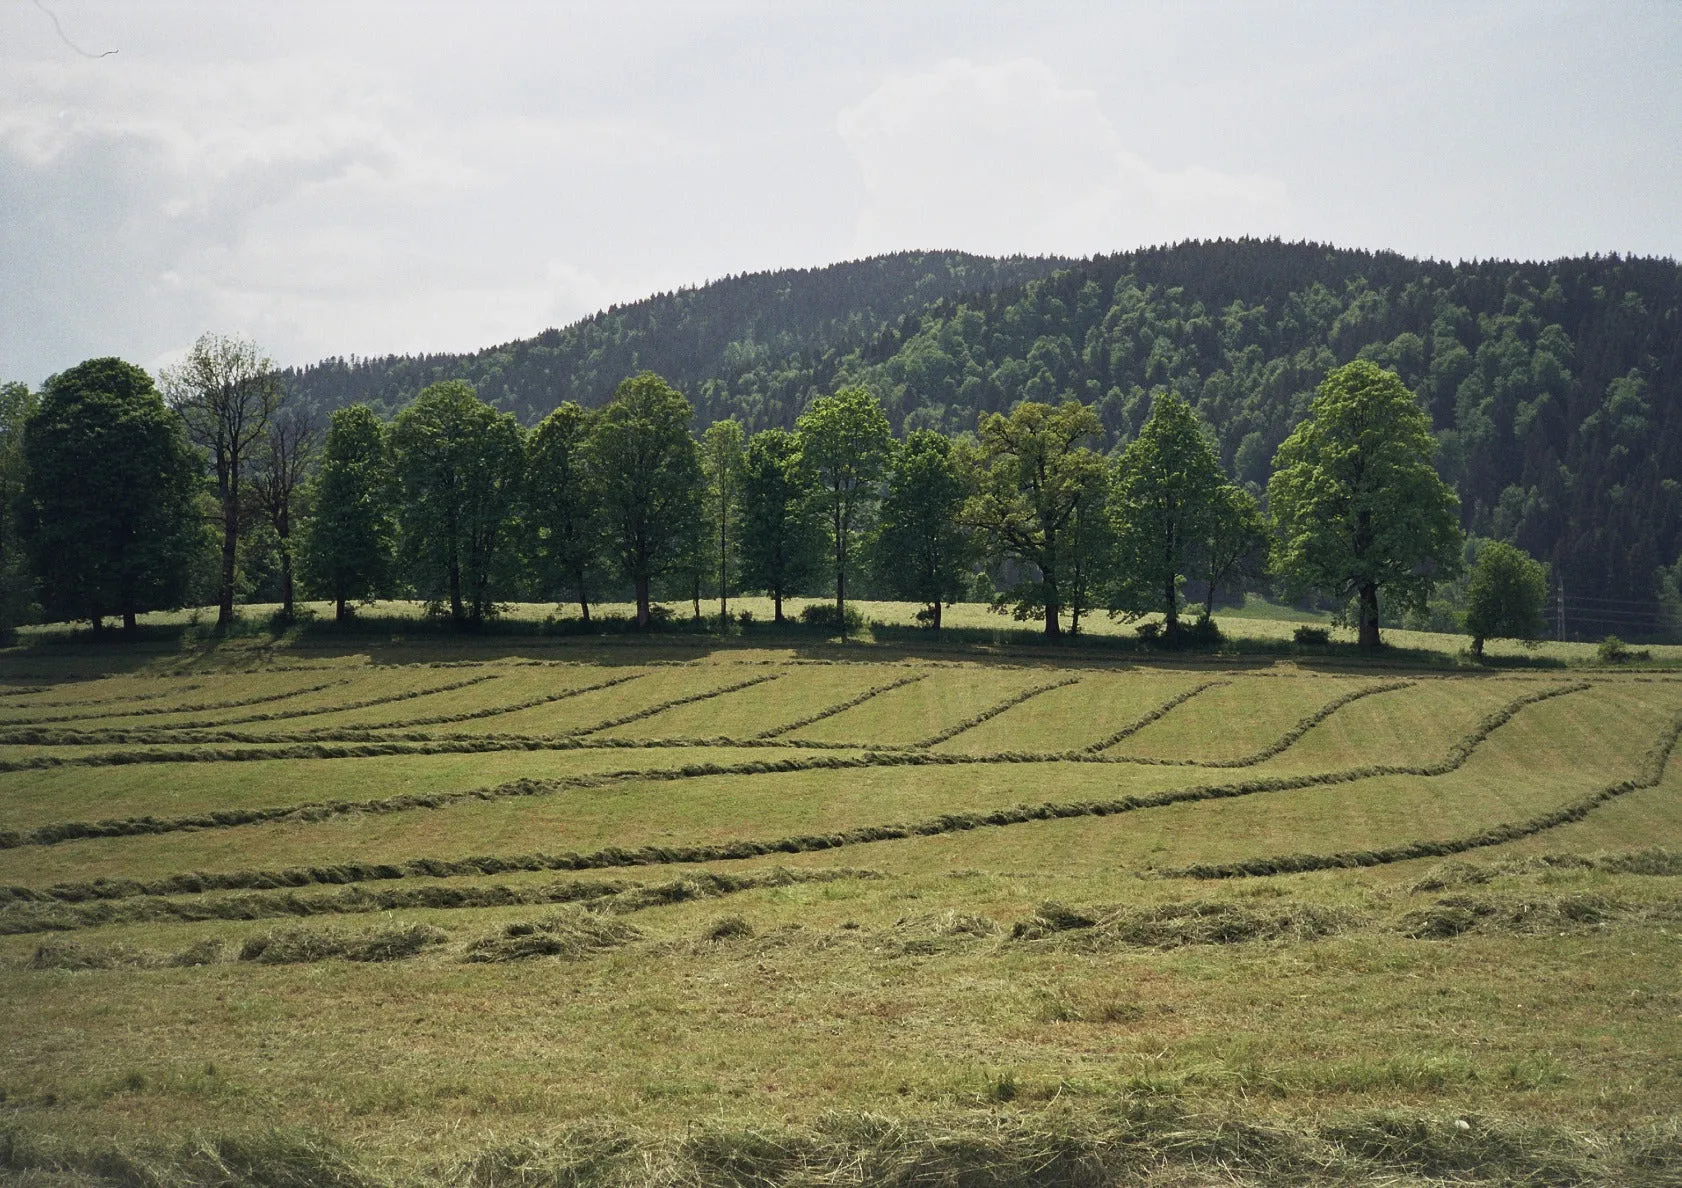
{"x": 108, "y": 501}
{"x": 17, "y": 583}
{"x": 460, "y": 465}
{"x": 922, "y": 550}
{"x": 1036, "y": 471}
{"x": 1505, "y": 596}
{"x": 781, "y": 530}
{"x": 649, "y": 475}
{"x": 845, "y": 443}
{"x": 1169, "y": 496}
{"x": 721, "y": 464}
{"x": 350, "y": 543}
{"x": 562, "y": 505}
{"x": 1357, "y": 506}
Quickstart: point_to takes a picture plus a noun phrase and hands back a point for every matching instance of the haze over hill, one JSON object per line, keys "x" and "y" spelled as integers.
{"x": 1553, "y": 387}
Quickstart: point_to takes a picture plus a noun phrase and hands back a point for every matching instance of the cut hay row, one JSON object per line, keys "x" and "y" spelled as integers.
{"x": 1651, "y": 772}
{"x": 673, "y": 703}
{"x": 486, "y": 712}
{"x": 167, "y": 733}
{"x": 92, "y": 702}
{"x": 1146, "y": 1138}
{"x": 840, "y": 707}
{"x": 153, "y": 711}
{"x": 1155, "y": 715}
{"x": 1285, "y": 741}
{"x": 992, "y": 712}
{"x": 607, "y": 895}
{"x": 65, "y": 831}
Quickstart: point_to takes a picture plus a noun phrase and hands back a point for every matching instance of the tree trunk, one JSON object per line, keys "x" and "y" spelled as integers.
{"x": 230, "y": 555}
{"x": 841, "y": 599}
{"x": 777, "y": 605}
{"x": 1170, "y": 607}
{"x": 98, "y": 622}
{"x": 285, "y": 579}
{"x": 1477, "y": 646}
{"x": 1053, "y": 629}
{"x": 1209, "y": 600}
{"x": 695, "y": 594}
{"x": 723, "y": 575}
{"x": 584, "y": 607}
{"x": 130, "y": 625}
{"x": 1369, "y": 616}
{"x": 935, "y": 607}
{"x": 341, "y": 610}
{"x": 642, "y": 602}
{"x": 456, "y": 611}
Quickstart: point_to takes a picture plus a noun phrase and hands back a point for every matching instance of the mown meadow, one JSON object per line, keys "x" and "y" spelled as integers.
{"x": 757, "y": 910}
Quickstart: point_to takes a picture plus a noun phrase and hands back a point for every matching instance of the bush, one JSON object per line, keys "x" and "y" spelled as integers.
{"x": 1148, "y": 633}
{"x": 1613, "y": 650}
{"x": 1312, "y": 636}
{"x": 822, "y": 614}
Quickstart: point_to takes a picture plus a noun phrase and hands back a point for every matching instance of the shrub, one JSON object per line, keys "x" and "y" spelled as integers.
{"x": 745, "y": 618}
{"x": 1312, "y": 636}
{"x": 1148, "y": 633}
{"x": 1613, "y": 650}
{"x": 822, "y": 614}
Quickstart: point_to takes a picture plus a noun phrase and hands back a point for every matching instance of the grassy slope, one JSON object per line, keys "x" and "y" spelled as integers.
{"x": 904, "y": 993}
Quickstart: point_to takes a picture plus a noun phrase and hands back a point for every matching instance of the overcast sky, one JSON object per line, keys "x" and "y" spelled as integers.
{"x": 332, "y": 178}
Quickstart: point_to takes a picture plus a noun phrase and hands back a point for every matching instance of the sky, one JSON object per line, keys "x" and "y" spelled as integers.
{"x": 337, "y": 178}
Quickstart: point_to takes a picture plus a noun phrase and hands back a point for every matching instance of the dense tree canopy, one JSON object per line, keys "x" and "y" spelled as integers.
{"x": 781, "y": 530}
{"x": 350, "y": 544}
{"x": 845, "y": 442}
{"x": 1357, "y": 507}
{"x": 1505, "y": 596}
{"x": 563, "y": 512}
{"x": 923, "y": 550}
{"x": 108, "y": 500}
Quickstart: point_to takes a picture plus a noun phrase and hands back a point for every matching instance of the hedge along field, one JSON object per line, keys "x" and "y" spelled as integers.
{"x": 762, "y": 895}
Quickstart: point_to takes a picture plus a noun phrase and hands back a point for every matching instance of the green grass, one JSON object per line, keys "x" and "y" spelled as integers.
{"x": 1027, "y": 994}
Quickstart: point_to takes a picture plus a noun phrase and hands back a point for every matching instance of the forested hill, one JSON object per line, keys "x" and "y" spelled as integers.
{"x": 1555, "y": 388}
{"x": 690, "y": 336}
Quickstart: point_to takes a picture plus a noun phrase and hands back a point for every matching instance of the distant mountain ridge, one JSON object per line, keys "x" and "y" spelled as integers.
{"x": 1555, "y": 388}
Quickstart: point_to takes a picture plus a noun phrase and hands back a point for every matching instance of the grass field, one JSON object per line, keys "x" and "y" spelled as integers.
{"x": 504, "y": 911}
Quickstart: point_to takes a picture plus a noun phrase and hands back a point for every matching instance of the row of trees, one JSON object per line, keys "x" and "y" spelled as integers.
{"x": 118, "y": 487}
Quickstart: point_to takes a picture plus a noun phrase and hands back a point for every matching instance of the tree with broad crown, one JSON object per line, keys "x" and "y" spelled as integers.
{"x": 562, "y": 509}
{"x": 781, "y": 531}
{"x": 1089, "y": 544}
{"x": 460, "y": 464}
{"x": 1357, "y": 506}
{"x": 225, "y": 390}
{"x": 1036, "y": 469}
{"x": 649, "y": 474}
{"x": 350, "y": 542}
{"x": 1234, "y": 551}
{"x": 17, "y": 583}
{"x": 1505, "y": 596}
{"x": 1167, "y": 496}
{"x": 844, "y": 445}
{"x": 108, "y": 502}
{"x": 284, "y": 459}
{"x": 922, "y": 550}
{"x": 721, "y": 462}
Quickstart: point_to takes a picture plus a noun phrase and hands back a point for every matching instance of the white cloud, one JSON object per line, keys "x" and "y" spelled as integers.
{"x": 1005, "y": 158}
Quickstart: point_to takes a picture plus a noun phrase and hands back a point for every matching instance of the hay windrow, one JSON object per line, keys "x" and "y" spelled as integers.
{"x": 1155, "y": 715}
{"x": 153, "y": 711}
{"x": 840, "y": 708}
{"x": 569, "y": 935}
{"x": 673, "y": 703}
{"x": 994, "y": 711}
{"x": 291, "y": 946}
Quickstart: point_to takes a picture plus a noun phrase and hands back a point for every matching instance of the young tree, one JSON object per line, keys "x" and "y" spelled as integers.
{"x": 562, "y": 510}
{"x": 460, "y": 464}
{"x": 1167, "y": 494}
{"x": 1505, "y": 596}
{"x": 649, "y": 476}
{"x": 721, "y": 462}
{"x": 844, "y": 445}
{"x": 1090, "y": 543}
{"x": 225, "y": 391}
{"x": 781, "y": 533}
{"x": 17, "y": 405}
{"x": 1234, "y": 552}
{"x": 1356, "y": 503}
{"x": 922, "y": 549}
{"x": 1036, "y": 470}
{"x": 108, "y": 499}
{"x": 350, "y": 542}
{"x": 288, "y": 452}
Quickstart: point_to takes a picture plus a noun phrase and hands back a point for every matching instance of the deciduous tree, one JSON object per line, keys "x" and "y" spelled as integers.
{"x": 1036, "y": 469}
{"x": 349, "y": 546}
{"x": 781, "y": 531}
{"x": 563, "y": 511}
{"x": 17, "y": 405}
{"x": 226, "y": 391}
{"x": 283, "y": 464}
{"x": 844, "y": 445}
{"x": 721, "y": 462}
{"x": 649, "y": 472}
{"x": 922, "y": 549}
{"x": 1234, "y": 550}
{"x": 460, "y": 465}
{"x": 1505, "y": 595}
{"x": 1356, "y": 505}
{"x": 108, "y": 501}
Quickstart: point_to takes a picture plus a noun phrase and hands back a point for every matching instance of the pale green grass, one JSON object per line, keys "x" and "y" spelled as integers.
{"x": 913, "y": 713}
{"x": 798, "y": 691}
{"x": 1078, "y": 715}
{"x": 1234, "y": 720}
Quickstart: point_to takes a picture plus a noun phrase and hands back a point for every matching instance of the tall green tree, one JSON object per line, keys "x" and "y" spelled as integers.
{"x": 781, "y": 531}
{"x": 108, "y": 500}
{"x": 1356, "y": 504}
{"x": 1166, "y": 498}
{"x": 1234, "y": 548}
{"x": 563, "y": 508}
{"x": 1089, "y": 547}
{"x": 226, "y": 390}
{"x": 649, "y": 472}
{"x": 1505, "y": 596}
{"x": 460, "y": 464}
{"x": 721, "y": 463}
{"x": 17, "y": 583}
{"x": 844, "y": 444}
{"x": 1036, "y": 469}
{"x": 283, "y": 466}
{"x": 922, "y": 549}
{"x": 350, "y": 543}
